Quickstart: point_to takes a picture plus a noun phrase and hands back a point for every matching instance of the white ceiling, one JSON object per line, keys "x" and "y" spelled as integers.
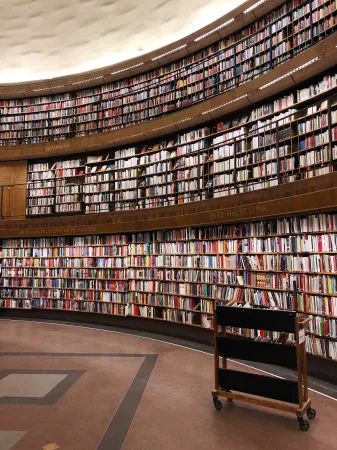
{"x": 49, "y": 38}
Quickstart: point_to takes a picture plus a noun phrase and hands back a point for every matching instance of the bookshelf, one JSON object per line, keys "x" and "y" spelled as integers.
{"x": 69, "y": 186}
{"x": 79, "y": 273}
{"x": 40, "y": 189}
{"x": 55, "y": 187}
{"x": 287, "y": 139}
{"x": 238, "y": 58}
{"x": 178, "y": 275}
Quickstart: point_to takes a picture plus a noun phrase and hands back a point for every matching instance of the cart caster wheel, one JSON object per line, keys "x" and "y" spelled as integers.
{"x": 311, "y": 413}
{"x": 304, "y": 425}
{"x": 217, "y": 404}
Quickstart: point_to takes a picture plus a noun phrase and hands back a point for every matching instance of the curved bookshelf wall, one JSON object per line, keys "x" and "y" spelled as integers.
{"x": 266, "y": 236}
{"x": 291, "y": 138}
{"x": 179, "y": 275}
{"x": 176, "y": 274}
{"x": 274, "y": 39}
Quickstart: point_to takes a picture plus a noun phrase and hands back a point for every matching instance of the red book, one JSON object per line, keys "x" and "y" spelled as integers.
{"x": 326, "y": 328}
{"x": 319, "y": 241}
{"x": 265, "y": 298}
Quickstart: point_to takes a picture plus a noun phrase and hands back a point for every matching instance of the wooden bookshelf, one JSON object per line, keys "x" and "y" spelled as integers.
{"x": 177, "y": 275}
{"x": 322, "y": 56}
{"x": 243, "y": 56}
{"x": 55, "y": 188}
{"x": 291, "y": 138}
{"x": 187, "y": 46}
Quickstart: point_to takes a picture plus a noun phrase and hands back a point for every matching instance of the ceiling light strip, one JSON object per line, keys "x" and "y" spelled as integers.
{"x": 171, "y": 125}
{"x": 224, "y": 104}
{"x": 290, "y": 73}
{"x": 127, "y": 68}
{"x": 42, "y": 89}
{"x": 183, "y": 120}
{"x": 88, "y": 79}
{"x": 214, "y": 30}
{"x": 14, "y": 92}
{"x": 48, "y": 88}
{"x": 254, "y": 6}
{"x": 130, "y": 136}
{"x": 164, "y": 126}
{"x": 169, "y": 53}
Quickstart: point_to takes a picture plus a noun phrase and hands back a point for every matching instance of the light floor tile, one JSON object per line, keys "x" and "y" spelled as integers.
{"x": 29, "y": 385}
{"x": 9, "y": 438}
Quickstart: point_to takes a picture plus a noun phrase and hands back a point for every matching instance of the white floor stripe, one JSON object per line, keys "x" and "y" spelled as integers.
{"x": 260, "y": 370}
{"x": 321, "y": 393}
{"x": 158, "y": 340}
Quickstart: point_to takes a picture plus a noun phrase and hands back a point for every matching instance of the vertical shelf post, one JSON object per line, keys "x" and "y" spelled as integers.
{"x": 235, "y": 169}
{"x": 330, "y": 132}
{"x": 278, "y": 154}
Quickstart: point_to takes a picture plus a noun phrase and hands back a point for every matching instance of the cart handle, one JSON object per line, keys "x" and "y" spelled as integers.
{"x": 231, "y": 302}
{"x": 303, "y": 322}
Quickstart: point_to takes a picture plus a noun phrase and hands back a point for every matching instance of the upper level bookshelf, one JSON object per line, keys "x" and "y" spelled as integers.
{"x": 291, "y": 138}
{"x": 239, "y": 57}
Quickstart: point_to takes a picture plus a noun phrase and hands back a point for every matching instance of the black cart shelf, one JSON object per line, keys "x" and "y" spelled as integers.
{"x": 286, "y": 395}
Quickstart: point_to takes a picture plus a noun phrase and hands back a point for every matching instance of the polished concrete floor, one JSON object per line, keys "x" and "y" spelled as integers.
{"x": 73, "y": 388}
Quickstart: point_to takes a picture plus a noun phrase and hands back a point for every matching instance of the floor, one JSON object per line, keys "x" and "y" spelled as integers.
{"x": 79, "y": 388}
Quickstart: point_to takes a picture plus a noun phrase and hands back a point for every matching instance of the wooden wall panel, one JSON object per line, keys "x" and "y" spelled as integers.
{"x": 14, "y": 172}
{"x": 13, "y": 202}
{"x": 13, "y": 177}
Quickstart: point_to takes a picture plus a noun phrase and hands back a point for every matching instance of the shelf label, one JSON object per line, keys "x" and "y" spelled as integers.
{"x": 244, "y": 211}
{"x": 301, "y": 336}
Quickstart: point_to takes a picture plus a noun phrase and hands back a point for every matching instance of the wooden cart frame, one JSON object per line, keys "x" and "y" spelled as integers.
{"x": 304, "y": 403}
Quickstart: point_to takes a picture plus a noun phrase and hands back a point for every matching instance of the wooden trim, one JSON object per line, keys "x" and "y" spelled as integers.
{"x": 313, "y": 195}
{"x": 216, "y": 352}
{"x": 195, "y": 115}
{"x": 104, "y": 75}
{"x": 299, "y": 362}
{"x": 261, "y": 401}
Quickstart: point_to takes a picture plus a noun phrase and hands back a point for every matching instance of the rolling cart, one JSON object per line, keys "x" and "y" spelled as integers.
{"x": 268, "y": 391}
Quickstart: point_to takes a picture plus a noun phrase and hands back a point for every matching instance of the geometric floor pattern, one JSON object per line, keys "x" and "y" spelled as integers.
{"x": 35, "y": 387}
{"x": 46, "y": 387}
{"x": 9, "y": 438}
{"x": 72, "y": 388}
{"x": 29, "y": 384}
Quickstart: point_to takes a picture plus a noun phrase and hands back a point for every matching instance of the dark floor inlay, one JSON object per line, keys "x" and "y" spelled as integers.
{"x": 120, "y": 424}
{"x": 36, "y": 387}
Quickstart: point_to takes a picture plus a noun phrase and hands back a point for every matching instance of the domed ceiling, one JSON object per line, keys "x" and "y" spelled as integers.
{"x": 49, "y": 38}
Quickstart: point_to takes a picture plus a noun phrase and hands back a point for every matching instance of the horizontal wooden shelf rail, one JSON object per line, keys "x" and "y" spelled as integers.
{"x": 301, "y": 197}
{"x": 247, "y": 94}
